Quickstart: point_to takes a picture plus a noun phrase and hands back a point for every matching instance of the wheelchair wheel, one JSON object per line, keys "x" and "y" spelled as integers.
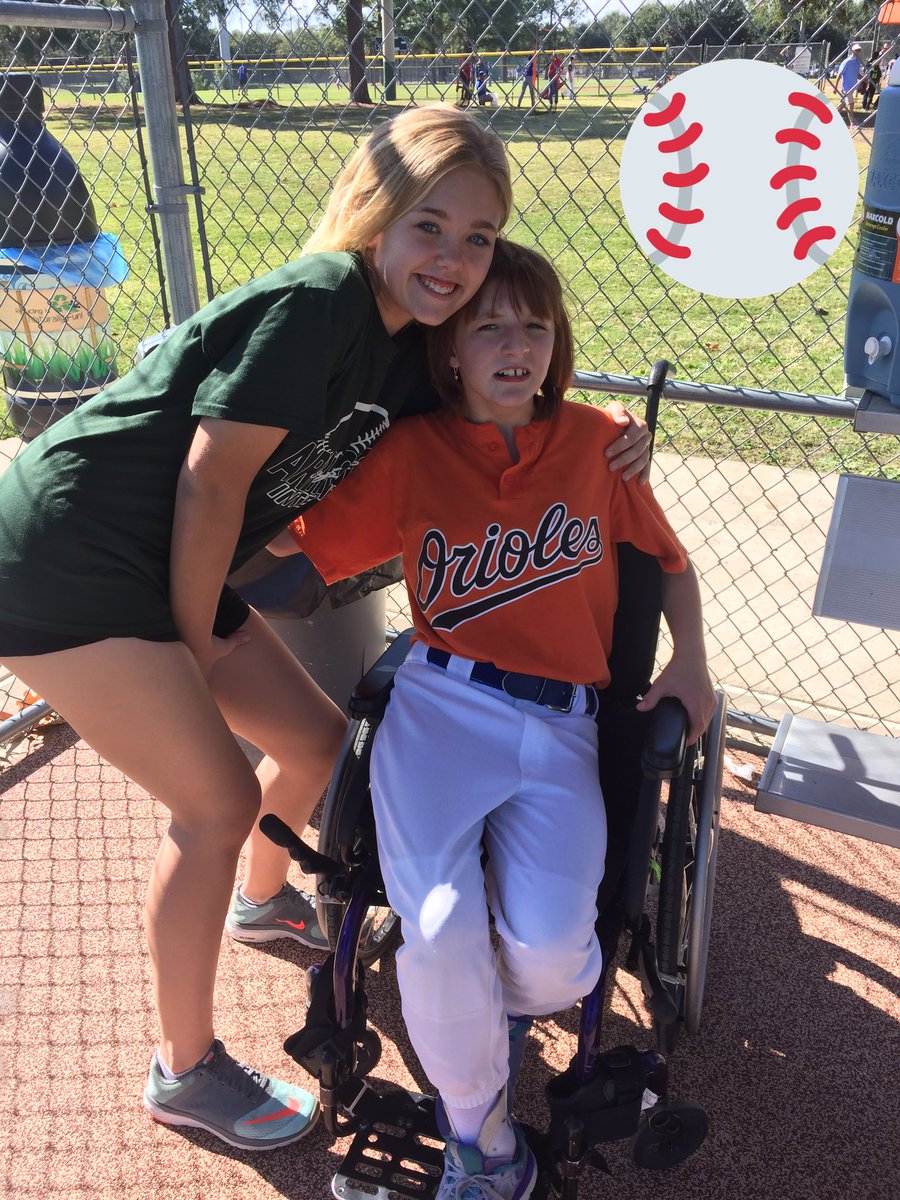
{"x": 710, "y": 800}
{"x": 380, "y": 932}
{"x": 689, "y": 848}
{"x": 347, "y": 833}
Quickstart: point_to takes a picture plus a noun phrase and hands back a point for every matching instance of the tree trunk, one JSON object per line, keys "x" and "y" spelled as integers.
{"x": 356, "y": 49}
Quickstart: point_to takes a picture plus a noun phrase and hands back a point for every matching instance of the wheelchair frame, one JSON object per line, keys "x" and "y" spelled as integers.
{"x": 603, "y": 1096}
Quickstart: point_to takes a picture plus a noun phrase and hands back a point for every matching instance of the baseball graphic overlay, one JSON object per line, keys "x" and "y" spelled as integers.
{"x": 739, "y": 179}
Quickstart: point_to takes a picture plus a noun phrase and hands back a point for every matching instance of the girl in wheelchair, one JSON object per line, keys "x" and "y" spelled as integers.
{"x": 503, "y": 507}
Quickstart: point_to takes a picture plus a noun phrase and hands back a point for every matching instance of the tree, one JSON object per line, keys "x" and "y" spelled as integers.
{"x": 356, "y": 53}
{"x": 690, "y": 22}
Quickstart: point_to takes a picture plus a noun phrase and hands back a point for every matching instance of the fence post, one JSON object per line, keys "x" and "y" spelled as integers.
{"x": 170, "y": 189}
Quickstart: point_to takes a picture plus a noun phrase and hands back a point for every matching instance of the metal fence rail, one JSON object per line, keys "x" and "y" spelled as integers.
{"x": 234, "y": 176}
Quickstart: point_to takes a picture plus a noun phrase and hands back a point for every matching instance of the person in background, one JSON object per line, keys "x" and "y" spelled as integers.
{"x": 846, "y": 82}
{"x": 528, "y": 74}
{"x": 554, "y": 79}
{"x": 464, "y": 81}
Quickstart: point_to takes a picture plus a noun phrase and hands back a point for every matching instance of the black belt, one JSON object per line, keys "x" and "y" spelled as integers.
{"x": 550, "y": 693}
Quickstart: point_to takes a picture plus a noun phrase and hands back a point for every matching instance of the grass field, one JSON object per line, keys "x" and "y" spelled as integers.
{"x": 266, "y": 161}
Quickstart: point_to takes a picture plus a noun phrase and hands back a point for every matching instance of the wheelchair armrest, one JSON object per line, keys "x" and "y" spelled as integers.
{"x": 370, "y": 696}
{"x": 662, "y": 756}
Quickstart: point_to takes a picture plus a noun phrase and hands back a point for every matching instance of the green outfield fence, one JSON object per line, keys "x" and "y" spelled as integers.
{"x": 207, "y": 182}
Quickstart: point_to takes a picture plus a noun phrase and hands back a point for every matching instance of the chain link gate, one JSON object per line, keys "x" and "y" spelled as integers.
{"x": 272, "y": 98}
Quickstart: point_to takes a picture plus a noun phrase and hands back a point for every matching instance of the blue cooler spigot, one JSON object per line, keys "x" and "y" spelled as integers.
{"x": 872, "y": 346}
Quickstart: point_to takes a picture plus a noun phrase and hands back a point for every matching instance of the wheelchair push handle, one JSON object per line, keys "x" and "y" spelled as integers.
{"x": 655, "y": 385}
{"x": 664, "y": 748}
{"x": 311, "y": 861}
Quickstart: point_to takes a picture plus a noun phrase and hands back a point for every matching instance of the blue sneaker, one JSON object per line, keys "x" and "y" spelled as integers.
{"x": 242, "y": 1107}
{"x": 470, "y": 1174}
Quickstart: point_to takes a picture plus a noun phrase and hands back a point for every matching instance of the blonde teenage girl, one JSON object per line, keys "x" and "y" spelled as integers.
{"x": 505, "y": 517}
{"x": 119, "y": 525}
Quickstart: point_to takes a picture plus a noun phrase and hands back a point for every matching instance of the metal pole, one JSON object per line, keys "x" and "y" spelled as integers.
{"x": 164, "y": 144}
{"x": 389, "y": 54}
{"x": 66, "y": 16}
{"x": 731, "y": 397}
{"x": 225, "y": 47}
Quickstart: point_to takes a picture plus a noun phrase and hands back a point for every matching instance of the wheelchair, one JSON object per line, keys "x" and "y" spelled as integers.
{"x": 657, "y": 891}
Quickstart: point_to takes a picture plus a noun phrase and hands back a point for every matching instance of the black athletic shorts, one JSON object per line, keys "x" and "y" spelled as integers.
{"x": 231, "y": 613}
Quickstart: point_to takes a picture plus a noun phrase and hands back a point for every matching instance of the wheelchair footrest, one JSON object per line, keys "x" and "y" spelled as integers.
{"x": 609, "y": 1105}
{"x": 397, "y": 1151}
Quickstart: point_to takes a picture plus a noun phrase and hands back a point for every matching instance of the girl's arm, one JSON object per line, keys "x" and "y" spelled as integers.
{"x": 215, "y": 478}
{"x": 686, "y": 675}
{"x": 630, "y": 453}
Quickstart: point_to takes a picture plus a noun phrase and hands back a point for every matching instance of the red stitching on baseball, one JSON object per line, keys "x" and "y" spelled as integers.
{"x": 681, "y": 216}
{"x": 797, "y": 209}
{"x": 684, "y": 140}
{"x": 686, "y": 178}
{"x": 789, "y": 174}
{"x": 671, "y": 112}
{"x": 803, "y": 136}
{"x": 658, "y": 242}
{"x": 822, "y": 233}
{"x": 812, "y": 104}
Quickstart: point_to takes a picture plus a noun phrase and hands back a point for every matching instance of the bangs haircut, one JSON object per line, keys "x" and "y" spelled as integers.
{"x": 396, "y": 167}
{"x": 531, "y": 283}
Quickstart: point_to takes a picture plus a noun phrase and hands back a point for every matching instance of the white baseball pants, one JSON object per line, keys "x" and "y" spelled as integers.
{"x": 456, "y": 764}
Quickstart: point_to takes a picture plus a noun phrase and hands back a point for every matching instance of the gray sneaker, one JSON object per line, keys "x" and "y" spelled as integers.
{"x": 242, "y": 1107}
{"x": 289, "y": 914}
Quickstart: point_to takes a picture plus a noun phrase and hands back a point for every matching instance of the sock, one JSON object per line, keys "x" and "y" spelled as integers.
{"x": 169, "y": 1075}
{"x": 468, "y": 1124}
{"x": 519, "y": 1029}
{"x": 251, "y": 903}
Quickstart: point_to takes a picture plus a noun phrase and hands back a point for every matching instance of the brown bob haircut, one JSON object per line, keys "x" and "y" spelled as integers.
{"x": 531, "y": 283}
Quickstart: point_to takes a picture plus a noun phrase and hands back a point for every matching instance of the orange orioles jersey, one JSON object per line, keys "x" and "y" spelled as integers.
{"x": 504, "y": 562}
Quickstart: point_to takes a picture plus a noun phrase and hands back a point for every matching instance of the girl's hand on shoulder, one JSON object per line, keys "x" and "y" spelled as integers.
{"x": 630, "y": 453}
{"x": 687, "y": 680}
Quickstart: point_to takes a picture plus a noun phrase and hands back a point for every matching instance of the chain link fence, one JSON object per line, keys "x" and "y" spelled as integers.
{"x": 273, "y": 97}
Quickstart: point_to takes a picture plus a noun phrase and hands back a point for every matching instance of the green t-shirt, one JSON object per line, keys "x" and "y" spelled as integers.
{"x": 86, "y": 510}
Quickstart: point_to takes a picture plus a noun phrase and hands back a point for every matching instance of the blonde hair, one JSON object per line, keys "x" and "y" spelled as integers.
{"x": 531, "y": 284}
{"x": 397, "y": 166}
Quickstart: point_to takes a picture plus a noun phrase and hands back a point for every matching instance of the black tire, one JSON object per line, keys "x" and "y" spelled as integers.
{"x": 673, "y": 921}
{"x": 347, "y": 834}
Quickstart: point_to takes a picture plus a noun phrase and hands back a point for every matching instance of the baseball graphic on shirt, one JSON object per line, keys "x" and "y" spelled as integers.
{"x": 739, "y": 179}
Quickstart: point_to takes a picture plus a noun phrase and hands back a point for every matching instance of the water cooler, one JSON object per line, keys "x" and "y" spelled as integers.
{"x": 872, "y": 345}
